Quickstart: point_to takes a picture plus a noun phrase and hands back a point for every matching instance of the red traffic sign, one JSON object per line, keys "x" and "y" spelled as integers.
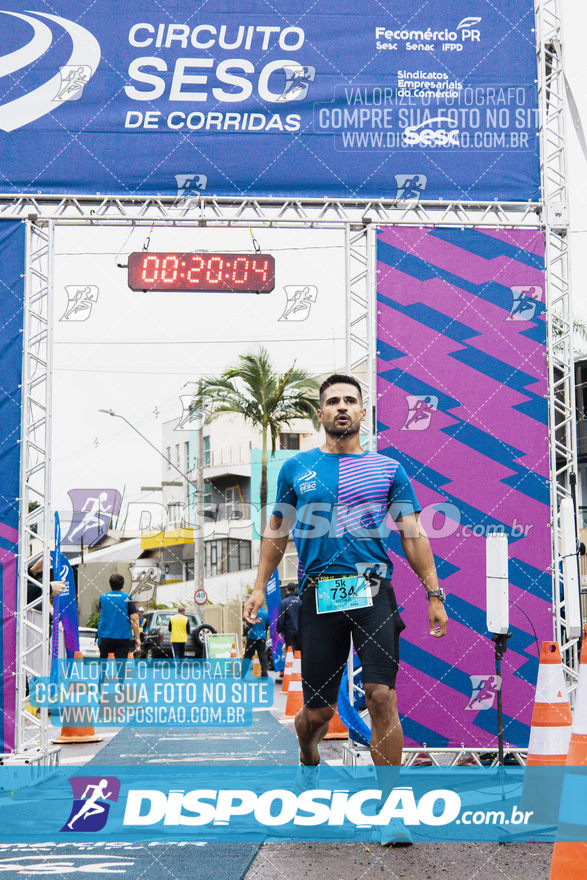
{"x": 200, "y": 597}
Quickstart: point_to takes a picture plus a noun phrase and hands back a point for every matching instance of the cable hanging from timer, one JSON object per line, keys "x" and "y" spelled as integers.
{"x": 256, "y": 245}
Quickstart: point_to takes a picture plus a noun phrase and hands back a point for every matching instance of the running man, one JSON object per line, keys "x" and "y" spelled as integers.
{"x": 338, "y": 497}
{"x": 90, "y": 807}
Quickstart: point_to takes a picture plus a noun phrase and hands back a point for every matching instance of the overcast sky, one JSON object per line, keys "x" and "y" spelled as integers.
{"x": 136, "y": 351}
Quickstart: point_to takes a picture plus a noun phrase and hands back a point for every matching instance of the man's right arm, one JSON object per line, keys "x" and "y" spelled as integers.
{"x": 273, "y": 547}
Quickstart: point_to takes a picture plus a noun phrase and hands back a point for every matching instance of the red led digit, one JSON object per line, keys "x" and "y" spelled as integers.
{"x": 193, "y": 276}
{"x": 210, "y": 270}
{"x": 243, "y": 270}
{"x": 154, "y": 269}
{"x": 169, "y": 277}
{"x": 262, "y": 269}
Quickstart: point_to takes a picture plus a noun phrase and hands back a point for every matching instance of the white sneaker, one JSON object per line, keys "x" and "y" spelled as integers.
{"x": 308, "y": 777}
{"x": 394, "y": 833}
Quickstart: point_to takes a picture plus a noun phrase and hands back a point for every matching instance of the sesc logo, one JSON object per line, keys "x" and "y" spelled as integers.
{"x": 429, "y": 137}
{"x": 69, "y": 80}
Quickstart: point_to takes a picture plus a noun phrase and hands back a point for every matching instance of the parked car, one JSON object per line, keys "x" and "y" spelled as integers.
{"x": 157, "y": 638}
{"x": 87, "y": 642}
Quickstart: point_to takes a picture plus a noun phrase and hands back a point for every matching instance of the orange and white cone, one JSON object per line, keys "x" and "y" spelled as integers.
{"x": 550, "y": 731}
{"x": 256, "y": 667}
{"x": 550, "y": 734}
{"x": 295, "y": 698}
{"x": 78, "y": 734}
{"x": 289, "y": 657}
{"x": 569, "y": 858}
{"x": 336, "y": 729}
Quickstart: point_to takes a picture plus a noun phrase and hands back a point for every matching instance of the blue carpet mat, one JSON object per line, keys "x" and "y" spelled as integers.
{"x": 265, "y": 742}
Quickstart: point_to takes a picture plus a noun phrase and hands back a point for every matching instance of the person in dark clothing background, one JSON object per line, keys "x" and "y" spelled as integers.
{"x": 287, "y": 617}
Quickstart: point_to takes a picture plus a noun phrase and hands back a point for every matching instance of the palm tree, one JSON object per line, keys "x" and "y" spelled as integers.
{"x": 266, "y": 399}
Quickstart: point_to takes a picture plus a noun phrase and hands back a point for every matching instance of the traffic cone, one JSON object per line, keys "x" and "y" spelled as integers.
{"x": 550, "y": 733}
{"x": 336, "y": 729}
{"x": 550, "y": 730}
{"x": 295, "y": 699}
{"x": 78, "y": 734}
{"x": 256, "y": 667}
{"x": 287, "y": 671}
{"x": 569, "y": 858}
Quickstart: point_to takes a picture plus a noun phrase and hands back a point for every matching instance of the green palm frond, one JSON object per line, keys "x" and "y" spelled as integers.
{"x": 266, "y": 399}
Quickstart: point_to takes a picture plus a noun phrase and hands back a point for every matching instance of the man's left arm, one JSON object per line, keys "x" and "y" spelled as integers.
{"x": 418, "y": 552}
{"x": 134, "y": 622}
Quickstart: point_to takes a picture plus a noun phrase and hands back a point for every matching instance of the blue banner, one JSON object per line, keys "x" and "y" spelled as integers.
{"x": 143, "y": 803}
{"x": 145, "y": 693}
{"x": 243, "y": 100}
{"x": 64, "y": 604}
{"x": 273, "y": 598}
{"x": 12, "y": 244}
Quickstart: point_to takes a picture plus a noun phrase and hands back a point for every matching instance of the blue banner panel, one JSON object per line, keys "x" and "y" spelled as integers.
{"x": 256, "y": 803}
{"x": 11, "y": 323}
{"x": 321, "y": 99}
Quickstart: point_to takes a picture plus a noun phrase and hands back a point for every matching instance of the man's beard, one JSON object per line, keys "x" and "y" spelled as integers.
{"x": 342, "y": 429}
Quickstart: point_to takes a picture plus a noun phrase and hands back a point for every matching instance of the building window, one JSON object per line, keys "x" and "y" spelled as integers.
{"x": 289, "y": 441}
{"x": 177, "y": 459}
{"x": 174, "y": 515}
{"x": 232, "y": 499}
{"x": 207, "y": 451}
{"x": 224, "y": 555}
{"x": 186, "y": 456}
{"x": 168, "y": 457}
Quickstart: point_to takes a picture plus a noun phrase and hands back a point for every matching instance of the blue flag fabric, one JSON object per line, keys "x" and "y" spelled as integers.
{"x": 64, "y": 605}
{"x": 273, "y": 603}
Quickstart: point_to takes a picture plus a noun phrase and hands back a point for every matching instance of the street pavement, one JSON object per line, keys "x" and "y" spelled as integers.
{"x": 368, "y": 861}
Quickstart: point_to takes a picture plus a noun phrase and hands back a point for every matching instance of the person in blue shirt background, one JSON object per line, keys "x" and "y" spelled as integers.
{"x": 119, "y": 621}
{"x": 256, "y": 641}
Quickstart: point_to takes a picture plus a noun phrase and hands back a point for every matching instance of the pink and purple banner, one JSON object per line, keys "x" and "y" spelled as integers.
{"x": 461, "y": 403}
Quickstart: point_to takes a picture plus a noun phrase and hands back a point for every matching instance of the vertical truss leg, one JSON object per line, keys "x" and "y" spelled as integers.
{"x": 35, "y": 516}
{"x": 361, "y": 333}
{"x": 561, "y": 380}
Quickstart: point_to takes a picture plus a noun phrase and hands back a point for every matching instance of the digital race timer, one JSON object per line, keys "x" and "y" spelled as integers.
{"x": 229, "y": 273}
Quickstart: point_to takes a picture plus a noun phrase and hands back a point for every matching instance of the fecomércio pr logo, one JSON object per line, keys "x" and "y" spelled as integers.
{"x": 68, "y": 81}
{"x": 91, "y": 795}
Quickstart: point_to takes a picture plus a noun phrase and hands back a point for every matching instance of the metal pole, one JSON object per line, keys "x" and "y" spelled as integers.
{"x": 199, "y": 523}
{"x": 573, "y": 484}
{"x": 501, "y": 646}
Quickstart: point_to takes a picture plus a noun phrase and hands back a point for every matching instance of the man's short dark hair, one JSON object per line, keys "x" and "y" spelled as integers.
{"x": 340, "y": 379}
{"x": 116, "y": 581}
{"x": 291, "y": 588}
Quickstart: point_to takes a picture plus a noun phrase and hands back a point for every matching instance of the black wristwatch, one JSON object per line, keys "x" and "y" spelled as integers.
{"x": 436, "y": 594}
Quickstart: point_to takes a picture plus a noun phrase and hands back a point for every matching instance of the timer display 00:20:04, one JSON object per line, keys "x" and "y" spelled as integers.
{"x": 230, "y": 273}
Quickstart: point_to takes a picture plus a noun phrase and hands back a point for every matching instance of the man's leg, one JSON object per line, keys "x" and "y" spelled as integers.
{"x": 247, "y": 657}
{"x": 262, "y": 653}
{"x": 387, "y": 741}
{"x": 387, "y": 737}
{"x": 311, "y": 728}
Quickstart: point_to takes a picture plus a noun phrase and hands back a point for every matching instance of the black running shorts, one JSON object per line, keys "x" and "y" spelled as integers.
{"x": 325, "y": 641}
